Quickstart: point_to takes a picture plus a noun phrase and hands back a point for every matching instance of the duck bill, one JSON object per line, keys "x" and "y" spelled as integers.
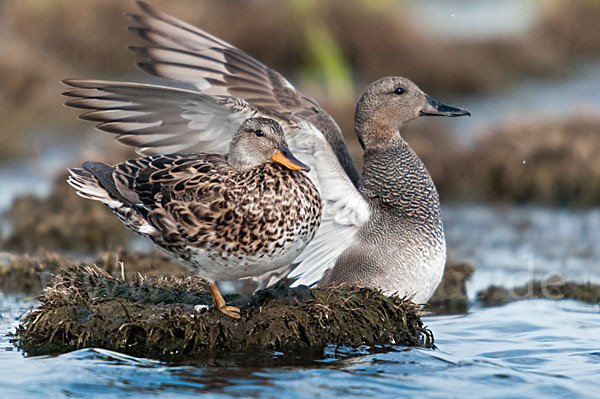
{"x": 285, "y": 157}
{"x": 435, "y": 108}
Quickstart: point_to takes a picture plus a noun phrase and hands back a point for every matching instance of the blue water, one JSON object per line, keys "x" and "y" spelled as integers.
{"x": 530, "y": 348}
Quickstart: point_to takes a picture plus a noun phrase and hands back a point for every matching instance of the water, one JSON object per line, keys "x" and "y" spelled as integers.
{"x": 475, "y": 19}
{"x": 513, "y": 245}
{"x": 532, "y": 348}
{"x": 529, "y": 348}
{"x": 534, "y": 99}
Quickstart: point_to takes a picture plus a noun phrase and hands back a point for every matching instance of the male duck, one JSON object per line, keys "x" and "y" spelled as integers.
{"x": 381, "y": 229}
{"x": 225, "y": 217}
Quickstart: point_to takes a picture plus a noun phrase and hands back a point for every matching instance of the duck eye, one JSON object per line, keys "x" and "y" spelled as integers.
{"x": 259, "y": 133}
{"x": 399, "y": 90}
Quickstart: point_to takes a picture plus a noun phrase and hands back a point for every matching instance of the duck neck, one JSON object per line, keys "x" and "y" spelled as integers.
{"x": 381, "y": 133}
{"x": 395, "y": 179}
{"x": 243, "y": 162}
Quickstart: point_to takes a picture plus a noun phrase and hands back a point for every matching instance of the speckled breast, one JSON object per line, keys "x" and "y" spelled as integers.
{"x": 269, "y": 216}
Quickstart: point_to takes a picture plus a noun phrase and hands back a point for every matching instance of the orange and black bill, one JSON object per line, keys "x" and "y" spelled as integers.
{"x": 285, "y": 157}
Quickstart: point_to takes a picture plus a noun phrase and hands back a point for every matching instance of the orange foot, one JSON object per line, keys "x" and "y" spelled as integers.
{"x": 220, "y": 304}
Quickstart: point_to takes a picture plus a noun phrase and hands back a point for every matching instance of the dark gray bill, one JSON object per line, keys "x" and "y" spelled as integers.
{"x": 435, "y": 108}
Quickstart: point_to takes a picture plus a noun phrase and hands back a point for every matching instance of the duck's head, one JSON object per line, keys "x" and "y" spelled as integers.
{"x": 258, "y": 141}
{"x": 388, "y": 103}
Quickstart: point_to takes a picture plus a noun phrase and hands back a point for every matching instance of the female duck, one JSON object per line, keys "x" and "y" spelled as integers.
{"x": 225, "y": 217}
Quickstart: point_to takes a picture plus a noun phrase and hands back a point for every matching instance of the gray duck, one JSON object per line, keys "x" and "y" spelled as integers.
{"x": 223, "y": 216}
{"x": 380, "y": 228}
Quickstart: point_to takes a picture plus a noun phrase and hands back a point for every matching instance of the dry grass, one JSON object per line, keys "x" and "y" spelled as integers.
{"x": 30, "y": 274}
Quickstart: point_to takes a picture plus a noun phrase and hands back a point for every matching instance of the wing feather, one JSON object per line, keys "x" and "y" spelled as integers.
{"x": 159, "y": 120}
{"x": 232, "y": 86}
{"x": 181, "y": 52}
{"x": 345, "y": 210}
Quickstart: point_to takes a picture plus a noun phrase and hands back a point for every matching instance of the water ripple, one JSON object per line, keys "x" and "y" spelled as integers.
{"x": 530, "y": 348}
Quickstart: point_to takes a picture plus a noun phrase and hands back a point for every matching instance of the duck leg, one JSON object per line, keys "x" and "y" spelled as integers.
{"x": 220, "y": 304}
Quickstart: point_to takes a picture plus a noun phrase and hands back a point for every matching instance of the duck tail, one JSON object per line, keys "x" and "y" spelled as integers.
{"x": 88, "y": 186}
{"x": 90, "y": 182}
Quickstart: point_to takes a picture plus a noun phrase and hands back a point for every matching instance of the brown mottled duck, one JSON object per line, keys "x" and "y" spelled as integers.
{"x": 381, "y": 228}
{"x": 224, "y": 217}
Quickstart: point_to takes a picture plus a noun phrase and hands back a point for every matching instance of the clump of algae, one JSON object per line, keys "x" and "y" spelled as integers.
{"x": 157, "y": 317}
{"x": 552, "y": 288}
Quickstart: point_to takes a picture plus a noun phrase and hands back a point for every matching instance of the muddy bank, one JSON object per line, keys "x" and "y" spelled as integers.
{"x": 62, "y": 221}
{"x": 156, "y": 317}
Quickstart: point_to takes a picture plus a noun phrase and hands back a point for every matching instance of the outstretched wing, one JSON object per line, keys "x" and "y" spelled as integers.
{"x": 159, "y": 120}
{"x": 345, "y": 210}
{"x": 181, "y": 52}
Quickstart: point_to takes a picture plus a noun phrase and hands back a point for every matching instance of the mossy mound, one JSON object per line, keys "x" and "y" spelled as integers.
{"x": 451, "y": 294}
{"x": 157, "y": 317}
{"x": 553, "y": 288}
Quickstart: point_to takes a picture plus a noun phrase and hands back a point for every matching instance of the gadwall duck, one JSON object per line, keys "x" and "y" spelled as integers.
{"x": 225, "y": 217}
{"x": 380, "y": 229}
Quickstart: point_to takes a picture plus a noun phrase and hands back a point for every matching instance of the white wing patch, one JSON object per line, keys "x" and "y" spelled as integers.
{"x": 344, "y": 208}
